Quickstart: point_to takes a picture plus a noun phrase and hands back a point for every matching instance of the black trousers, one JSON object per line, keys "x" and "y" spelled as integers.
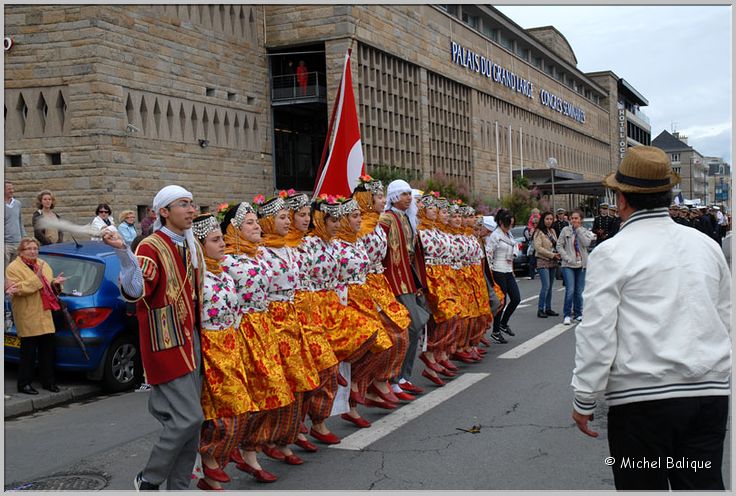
{"x": 507, "y": 282}
{"x": 42, "y": 345}
{"x": 675, "y": 443}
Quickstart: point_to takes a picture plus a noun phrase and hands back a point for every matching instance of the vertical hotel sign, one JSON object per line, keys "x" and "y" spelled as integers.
{"x": 621, "y": 132}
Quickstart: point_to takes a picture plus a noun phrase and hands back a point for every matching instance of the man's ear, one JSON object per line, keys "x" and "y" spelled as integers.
{"x": 164, "y": 212}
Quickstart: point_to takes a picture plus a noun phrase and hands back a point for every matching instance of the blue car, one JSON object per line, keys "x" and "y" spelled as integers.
{"x": 106, "y": 327}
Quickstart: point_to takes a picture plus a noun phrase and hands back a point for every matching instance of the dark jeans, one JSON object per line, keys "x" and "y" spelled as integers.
{"x": 532, "y": 265}
{"x": 547, "y": 277}
{"x": 683, "y": 436}
{"x": 29, "y": 347}
{"x": 507, "y": 283}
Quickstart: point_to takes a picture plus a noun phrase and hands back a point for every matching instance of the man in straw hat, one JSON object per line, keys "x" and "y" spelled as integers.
{"x": 165, "y": 279}
{"x": 664, "y": 367}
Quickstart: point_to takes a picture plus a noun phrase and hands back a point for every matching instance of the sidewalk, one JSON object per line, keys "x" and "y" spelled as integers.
{"x": 74, "y": 387}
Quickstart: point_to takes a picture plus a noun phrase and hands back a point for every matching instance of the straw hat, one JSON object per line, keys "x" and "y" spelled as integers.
{"x": 644, "y": 169}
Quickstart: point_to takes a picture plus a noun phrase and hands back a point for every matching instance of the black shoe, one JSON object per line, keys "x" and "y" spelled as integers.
{"x": 541, "y": 314}
{"x": 552, "y": 313}
{"x": 53, "y": 388}
{"x": 143, "y": 485}
{"x": 498, "y": 337}
{"x": 505, "y": 328}
{"x": 27, "y": 389}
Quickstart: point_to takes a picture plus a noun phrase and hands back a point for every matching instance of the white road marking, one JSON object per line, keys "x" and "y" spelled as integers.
{"x": 365, "y": 437}
{"x": 523, "y": 306}
{"x": 528, "y": 299}
{"x": 535, "y": 342}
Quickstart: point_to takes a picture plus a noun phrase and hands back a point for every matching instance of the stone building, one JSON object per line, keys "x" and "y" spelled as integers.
{"x": 111, "y": 102}
{"x": 687, "y": 162}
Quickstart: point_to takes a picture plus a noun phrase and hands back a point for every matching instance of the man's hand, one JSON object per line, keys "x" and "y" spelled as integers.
{"x": 112, "y": 238}
{"x": 582, "y": 422}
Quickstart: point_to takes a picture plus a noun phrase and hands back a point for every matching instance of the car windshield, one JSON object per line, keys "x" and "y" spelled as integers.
{"x": 518, "y": 231}
{"x": 83, "y": 277}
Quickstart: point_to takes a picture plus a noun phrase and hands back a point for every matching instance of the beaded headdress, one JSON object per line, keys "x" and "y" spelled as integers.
{"x": 204, "y": 225}
{"x": 336, "y": 206}
{"x": 372, "y": 185}
{"x": 442, "y": 203}
{"x": 295, "y": 201}
{"x": 269, "y": 208}
{"x": 243, "y": 209}
{"x": 429, "y": 199}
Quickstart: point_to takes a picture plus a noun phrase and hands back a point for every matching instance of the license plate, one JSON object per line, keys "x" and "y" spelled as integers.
{"x": 12, "y": 341}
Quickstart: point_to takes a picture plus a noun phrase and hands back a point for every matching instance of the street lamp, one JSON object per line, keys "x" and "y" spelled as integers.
{"x": 552, "y": 163}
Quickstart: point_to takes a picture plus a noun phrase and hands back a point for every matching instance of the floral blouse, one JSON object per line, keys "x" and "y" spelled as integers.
{"x": 285, "y": 273}
{"x": 375, "y": 244}
{"x": 252, "y": 278}
{"x": 437, "y": 247}
{"x": 221, "y": 307}
{"x": 318, "y": 269}
{"x": 353, "y": 263}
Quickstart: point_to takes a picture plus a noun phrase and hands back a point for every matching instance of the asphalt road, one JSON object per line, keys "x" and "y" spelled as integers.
{"x": 527, "y": 439}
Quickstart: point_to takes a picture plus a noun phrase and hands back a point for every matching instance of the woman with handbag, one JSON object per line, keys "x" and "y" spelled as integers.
{"x": 545, "y": 245}
{"x": 33, "y": 289}
{"x": 573, "y": 245}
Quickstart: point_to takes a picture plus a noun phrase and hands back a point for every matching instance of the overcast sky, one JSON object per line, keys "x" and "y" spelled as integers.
{"x": 677, "y": 57}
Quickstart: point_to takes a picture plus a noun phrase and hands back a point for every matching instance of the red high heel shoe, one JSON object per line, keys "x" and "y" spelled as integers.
{"x": 328, "y": 438}
{"x": 274, "y": 453}
{"x": 359, "y": 421}
{"x": 293, "y": 459}
{"x": 447, "y": 373}
{"x": 434, "y": 379}
{"x": 411, "y": 388}
{"x": 357, "y": 397}
{"x": 260, "y": 475}
{"x": 390, "y": 397}
{"x": 386, "y": 405}
{"x": 216, "y": 474}
{"x": 204, "y": 486}
{"x": 404, "y": 396}
{"x": 448, "y": 365}
{"x": 306, "y": 445}
{"x": 341, "y": 380}
{"x": 430, "y": 365}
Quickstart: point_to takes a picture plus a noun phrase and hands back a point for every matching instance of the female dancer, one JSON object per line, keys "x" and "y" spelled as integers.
{"x": 395, "y": 317}
{"x": 225, "y": 397}
{"x": 308, "y": 311}
{"x": 353, "y": 292}
{"x": 299, "y": 366}
{"x": 267, "y": 383}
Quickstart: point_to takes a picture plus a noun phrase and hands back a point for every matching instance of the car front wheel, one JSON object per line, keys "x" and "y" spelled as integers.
{"x": 119, "y": 371}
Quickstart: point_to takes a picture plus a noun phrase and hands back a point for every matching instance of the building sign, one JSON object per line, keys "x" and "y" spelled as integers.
{"x": 479, "y": 64}
{"x": 621, "y": 132}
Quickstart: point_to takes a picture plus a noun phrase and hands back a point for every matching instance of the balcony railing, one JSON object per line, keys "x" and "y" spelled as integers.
{"x": 291, "y": 88}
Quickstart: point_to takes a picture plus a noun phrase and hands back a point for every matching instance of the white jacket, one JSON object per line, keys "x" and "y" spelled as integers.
{"x": 657, "y": 316}
{"x": 500, "y": 251}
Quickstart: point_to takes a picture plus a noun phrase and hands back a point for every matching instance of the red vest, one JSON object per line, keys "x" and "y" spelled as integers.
{"x": 403, "y": 277}
{"x": 168, "y": 314}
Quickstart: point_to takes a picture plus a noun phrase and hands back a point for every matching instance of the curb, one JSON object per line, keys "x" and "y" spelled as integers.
{"x": 17, "y": 405}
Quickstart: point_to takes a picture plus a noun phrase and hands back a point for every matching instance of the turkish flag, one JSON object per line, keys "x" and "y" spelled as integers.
{"x": 344, "y": 165}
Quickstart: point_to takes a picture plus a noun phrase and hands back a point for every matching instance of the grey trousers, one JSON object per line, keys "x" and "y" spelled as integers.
{"x": 176, "y": 405}
{"x": 419, "y": 318}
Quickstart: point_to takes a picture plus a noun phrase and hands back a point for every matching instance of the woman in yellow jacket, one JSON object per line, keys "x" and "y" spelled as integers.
{"x": 33, "y": 287}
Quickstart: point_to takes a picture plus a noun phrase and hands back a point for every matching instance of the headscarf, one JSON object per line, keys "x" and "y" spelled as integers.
{"x": 163, "y": 198}
{"x": 236, "y": 244}
{"x": 345, "y": 232}
{"x": 369, "y": 216}
{"x": 489, "y": 222}
{"x": 270, "y": 238}
{"x": 294, "y": 237}
{"x": 318, "y": 226}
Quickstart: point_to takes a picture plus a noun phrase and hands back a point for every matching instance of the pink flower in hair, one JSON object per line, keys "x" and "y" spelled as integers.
{"x": 259, "y": 199}
{"x": 291, "y": 192}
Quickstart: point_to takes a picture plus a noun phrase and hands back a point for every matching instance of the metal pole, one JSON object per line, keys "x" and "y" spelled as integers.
{"x": 521, "y": 150}
{"x": 498, "y": 167}
{"x": 552, "y": 171}
{"x": 511, "y": 161}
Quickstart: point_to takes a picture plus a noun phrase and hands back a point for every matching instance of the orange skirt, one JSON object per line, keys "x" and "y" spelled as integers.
{"x": 466, "y": 287}
{"x": 299, "y": 367}
{"x": 360, "y": 299}
{"x": 267, "y": 384}
{"x": 442, "y": 295}
{"x": 480, "y": 289}
{"x": 224, "y": 385}
{"x": 310, "y": 314}
{"x": 381, "y": 292}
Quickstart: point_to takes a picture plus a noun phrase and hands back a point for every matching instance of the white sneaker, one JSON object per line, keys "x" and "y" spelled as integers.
{"x": 567, "y": 321}
{"x": 579, "y": 318}
{"x": 143, "y": 388}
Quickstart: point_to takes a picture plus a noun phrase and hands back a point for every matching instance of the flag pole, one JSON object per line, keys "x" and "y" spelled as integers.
{"x": 331, "y": 125}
